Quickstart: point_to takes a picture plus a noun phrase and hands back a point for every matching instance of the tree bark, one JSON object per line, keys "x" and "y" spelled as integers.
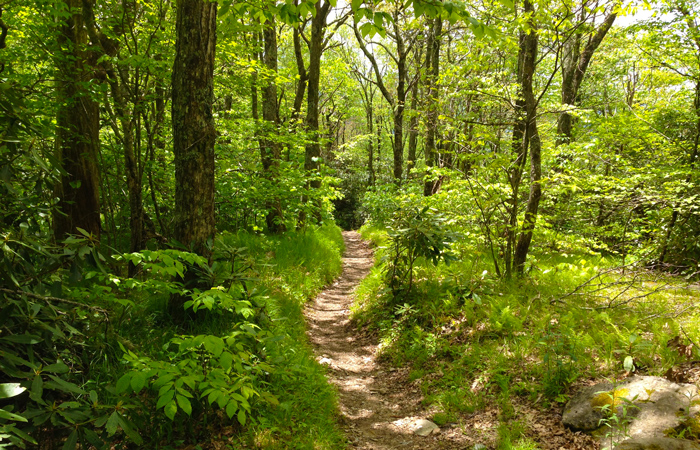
{"x": 77, "y": 136}
{"x": 124, "y": 126}
{"x": 430, "y": 186}
{"x": 270, "y": 151}
{"x": 400, "y": 99}
{"x": 528, "y": 48}
{"x": 312, "y": 155}
{"x": 303, "y": 76}
{"x": 194, "y": 133}
{"x": 413, "y": 131}
{"x": 574, "y": 65}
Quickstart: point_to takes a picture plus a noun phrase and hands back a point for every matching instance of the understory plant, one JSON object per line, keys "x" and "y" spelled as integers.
{"x": 415, "y": 233}
{"x": 90, "y": 357}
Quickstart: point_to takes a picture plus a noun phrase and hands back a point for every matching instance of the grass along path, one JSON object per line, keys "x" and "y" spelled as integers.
{"x": 379, "y": 408}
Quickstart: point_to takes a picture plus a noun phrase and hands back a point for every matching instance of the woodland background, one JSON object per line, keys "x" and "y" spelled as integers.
{"x": 173, "y": 173}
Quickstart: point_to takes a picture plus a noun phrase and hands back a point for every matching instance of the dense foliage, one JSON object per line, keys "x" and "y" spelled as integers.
{"x": 168, "y": 204}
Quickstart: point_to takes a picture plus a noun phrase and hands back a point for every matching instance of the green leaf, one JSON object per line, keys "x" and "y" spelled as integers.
{"x": 30, "y": 339}
{"x": 184, "y": 403}
{"x": 367, "y": 29}
{"x": 355, "y": 5}
{"x": 231, "y": 408}
{"x": 123, "y": 383}
{"x": 171, "y": 410}
{"x": 214, "y": 344}
{"x": 112, "y": 423}
{"x": 24, "y": 435}
{"x": 57, "y": 368}
{"x": 165, "y": 398}
{"x": 93, "y": 437}
{"x": 138, "y": 381}
{"x": 213, "y": 395}
{"x": 224, "y": 9}
{"x": 241, "y": 416}
{"x": 133, "y": 434}
{"x": 8, "y": 390}
{"x": 629, "y": 364}
{"x": 37, "y": 390}
{"x": 508, "y": 4}
{"x": 226, "y": 360}
{"x": 63, "y": 385}
{"x": 11, "y": 416}
{"x": 72, "y": 441}
{"x": 418, "y": 8}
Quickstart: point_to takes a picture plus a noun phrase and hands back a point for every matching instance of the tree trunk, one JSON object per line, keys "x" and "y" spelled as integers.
{"x": 413, "y": 131}
{"x": 369, "y": 112}
{"x": 254, "y": 101}
{"x": 194, "y": 133}
{"x": 124, "y": 126}
{"x": 270, "y": 149}
{"x": 312, "y": 155}
{"x": 400, "y": 101}
{"x": 574, "y": 65}
{"x": 77, "y": 135}
{"x": 303, "y": 76}
{"x": 528, "y": 48}
{"x": 430, "y": 186}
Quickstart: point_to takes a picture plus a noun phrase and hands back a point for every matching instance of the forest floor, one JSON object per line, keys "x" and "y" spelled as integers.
{"x": 378, "y": 404}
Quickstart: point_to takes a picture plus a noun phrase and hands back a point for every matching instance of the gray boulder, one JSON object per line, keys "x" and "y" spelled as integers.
{"x": 644, "y": 407}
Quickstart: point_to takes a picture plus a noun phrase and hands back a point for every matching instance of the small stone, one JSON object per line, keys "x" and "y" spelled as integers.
{"x": 425, "y": 427}
{"x": 325, "y": 361}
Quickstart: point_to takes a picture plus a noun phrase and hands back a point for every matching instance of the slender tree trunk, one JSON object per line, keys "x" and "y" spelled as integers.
{"x": 270, "y": 151}
{"x": 254, "y": 101}
{"x": 430, "y": 186}
{"x": 400, "y": 100}
{"x": 303, "y": 76}
{"x": 413, "y": 130}
{"x": 312, "y": 155}
{"x": 158, "y": 141}
{"x": 529, "y": 53}
{"x": 77, "y": 136}
{"x": 194, "y": 133}
{"x": 124, "y": 125}
{"x": 574, "y": 65}
{"x": 369, "y": 112}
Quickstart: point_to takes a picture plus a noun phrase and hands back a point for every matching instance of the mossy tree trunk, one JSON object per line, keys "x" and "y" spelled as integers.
{"x": 78, "y": 127}
{"x": 194, "y": 133}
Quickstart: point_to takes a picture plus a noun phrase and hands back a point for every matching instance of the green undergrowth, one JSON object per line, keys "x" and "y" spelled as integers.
{"x": 98, "y": 360}
{"x": 294, "y": 269}
{"x": 474, "y": 341}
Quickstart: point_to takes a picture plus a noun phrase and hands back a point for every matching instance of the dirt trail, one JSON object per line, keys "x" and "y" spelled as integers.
{"x": 379, "y": 406}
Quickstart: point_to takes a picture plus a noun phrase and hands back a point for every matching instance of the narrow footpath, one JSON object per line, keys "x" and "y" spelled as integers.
{"x": 379, "y": 408}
